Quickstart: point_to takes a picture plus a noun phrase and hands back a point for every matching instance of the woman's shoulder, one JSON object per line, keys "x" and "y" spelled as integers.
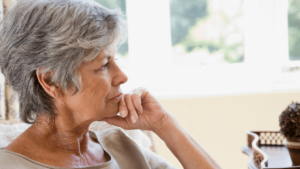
{"x": 6, "y": 159}
{"x": 17, "y": 154}
{"x": 9, "y": 159}
{"x": 22, "y": 144}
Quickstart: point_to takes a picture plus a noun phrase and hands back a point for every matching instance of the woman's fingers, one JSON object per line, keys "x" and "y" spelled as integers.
{"x": 130, "y": 107}
{"x": 136, "y": 99}
{"x": 122, "y": 107}
{"x": 131, "y": 103}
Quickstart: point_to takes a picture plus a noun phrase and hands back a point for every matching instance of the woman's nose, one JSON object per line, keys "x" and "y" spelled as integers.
{"x": 120, "y": 77}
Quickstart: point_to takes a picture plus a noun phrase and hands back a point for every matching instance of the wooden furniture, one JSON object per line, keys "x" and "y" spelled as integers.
{"x": 266, "y": 150}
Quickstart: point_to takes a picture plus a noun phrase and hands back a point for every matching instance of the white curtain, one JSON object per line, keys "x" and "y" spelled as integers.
{"x": 9, "y": 105}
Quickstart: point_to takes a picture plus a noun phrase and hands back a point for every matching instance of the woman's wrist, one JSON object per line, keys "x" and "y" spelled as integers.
{"x": 167, "y": 128}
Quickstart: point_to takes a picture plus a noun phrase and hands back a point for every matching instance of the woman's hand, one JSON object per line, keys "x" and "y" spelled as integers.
{"x": 139, "y": 110}
{"x": 147, "y": 113}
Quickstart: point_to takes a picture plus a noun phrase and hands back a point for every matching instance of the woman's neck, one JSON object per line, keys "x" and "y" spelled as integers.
{"x": 64, "y": 134}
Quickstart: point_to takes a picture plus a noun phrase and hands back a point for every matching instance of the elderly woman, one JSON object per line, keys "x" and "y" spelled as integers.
{"x": 59, "y": 56}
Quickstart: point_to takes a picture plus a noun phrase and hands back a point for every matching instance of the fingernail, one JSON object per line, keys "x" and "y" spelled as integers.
{"x": 133, "y": 119}
{"x": 123, "y": 113}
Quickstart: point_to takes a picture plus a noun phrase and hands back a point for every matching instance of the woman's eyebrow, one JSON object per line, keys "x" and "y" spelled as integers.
{"x": 105, "y": 57}
{"x": 108, "y": 57}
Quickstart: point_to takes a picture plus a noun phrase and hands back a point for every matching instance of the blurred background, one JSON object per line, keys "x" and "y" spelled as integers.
{"x": 220, "y": 66}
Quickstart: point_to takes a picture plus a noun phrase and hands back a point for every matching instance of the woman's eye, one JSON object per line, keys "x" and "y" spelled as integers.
{"x": 103, "y": 67}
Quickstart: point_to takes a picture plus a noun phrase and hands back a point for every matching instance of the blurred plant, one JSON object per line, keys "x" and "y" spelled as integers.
{"x": 184, "y": 14}
{"x": 197, "y": 27}
{"x": 289, "y": 121}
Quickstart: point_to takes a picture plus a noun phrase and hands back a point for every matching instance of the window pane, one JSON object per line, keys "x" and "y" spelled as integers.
{"x": 294, "y": 29}
{"x": 123, "y": 49}
{"x": 207, "y": 31}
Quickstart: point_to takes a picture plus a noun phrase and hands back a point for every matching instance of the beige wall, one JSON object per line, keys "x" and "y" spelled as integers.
{"x": 219, "y": 124}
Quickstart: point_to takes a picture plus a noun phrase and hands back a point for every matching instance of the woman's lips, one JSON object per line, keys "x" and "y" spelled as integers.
{"x": 116, "y": 98}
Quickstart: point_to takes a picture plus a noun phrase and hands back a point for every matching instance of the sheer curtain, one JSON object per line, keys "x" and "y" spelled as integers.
{"x": 9, "y": 106}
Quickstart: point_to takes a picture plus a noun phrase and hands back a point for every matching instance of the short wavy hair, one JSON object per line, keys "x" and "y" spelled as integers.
{"x": 56, "y": 35}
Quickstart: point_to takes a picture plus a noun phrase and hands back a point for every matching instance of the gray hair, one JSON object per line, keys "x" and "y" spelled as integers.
{"x": 56, "y": 35}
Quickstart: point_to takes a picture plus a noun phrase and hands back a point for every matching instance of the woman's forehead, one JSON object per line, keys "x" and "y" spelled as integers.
{"x": 106, "y": 54}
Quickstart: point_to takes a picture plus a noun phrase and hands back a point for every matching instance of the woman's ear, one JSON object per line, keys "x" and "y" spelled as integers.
{"x": 46, "y": 82}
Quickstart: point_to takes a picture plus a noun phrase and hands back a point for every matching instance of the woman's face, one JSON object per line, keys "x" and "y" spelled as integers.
{"x": 101, "y": 80}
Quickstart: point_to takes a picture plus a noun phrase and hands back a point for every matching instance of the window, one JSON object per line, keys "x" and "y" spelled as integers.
{"x": 122, "y": 54}
{"x": 294, "y": 29}
{"x": 170, "y": 40}
{"x": 207, "y": 31}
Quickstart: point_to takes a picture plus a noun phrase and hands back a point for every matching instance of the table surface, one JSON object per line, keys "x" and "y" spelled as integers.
{"x": 278, "y": 156}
